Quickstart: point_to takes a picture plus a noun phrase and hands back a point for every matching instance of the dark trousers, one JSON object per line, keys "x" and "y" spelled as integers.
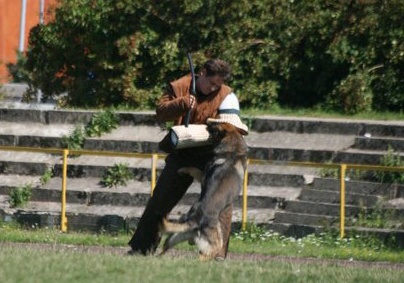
{"x": 170, "y": 188}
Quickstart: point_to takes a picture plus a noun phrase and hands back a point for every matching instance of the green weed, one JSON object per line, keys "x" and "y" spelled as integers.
{"x": 75, "y": 140}
{"x": 392, "y": 158}
{"x": 20, "y": 195}
{"x": 374, "y": 217}
{"x": 102, "y": 122}
{"x": 45, "y": 178}
{"x": 118, "y": 175}
{"x": 329, "y": 172}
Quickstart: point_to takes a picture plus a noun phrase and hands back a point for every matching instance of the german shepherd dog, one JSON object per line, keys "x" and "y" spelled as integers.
{"x": 221, "y": 182}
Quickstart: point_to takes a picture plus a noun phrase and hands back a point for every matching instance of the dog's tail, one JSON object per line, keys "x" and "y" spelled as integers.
{"x": 174, "y": 227}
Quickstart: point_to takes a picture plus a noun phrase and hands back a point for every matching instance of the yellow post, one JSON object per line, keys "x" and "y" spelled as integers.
{"x": 63, "y": 219}
{"x": 244, "y": 212}
{"x": 153, "y": 173}
{"x": 342, "y": 201}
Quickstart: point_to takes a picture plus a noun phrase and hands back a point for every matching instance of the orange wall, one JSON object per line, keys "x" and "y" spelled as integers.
{"x": 10, "y": 17}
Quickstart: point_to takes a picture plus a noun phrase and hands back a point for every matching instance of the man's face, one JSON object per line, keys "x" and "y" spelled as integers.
{"x": 207, "y": 85}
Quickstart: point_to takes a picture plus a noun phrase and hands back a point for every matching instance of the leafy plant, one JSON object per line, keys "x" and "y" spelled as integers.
{"x": 374, "y": 217}
{"x": 75, "y": 140}
{"x": 392, "y": 158}
{"x": 45, "y": 178}
{"x": 329, "y": 172}
{"x": 118, "y": 175}
{"x": 20, "y": 196}
{"x": 17, "y": 70}
{"x": 100, "y": 123}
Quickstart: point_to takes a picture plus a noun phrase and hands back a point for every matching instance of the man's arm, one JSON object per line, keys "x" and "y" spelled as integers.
{"x": 170, "y": 107}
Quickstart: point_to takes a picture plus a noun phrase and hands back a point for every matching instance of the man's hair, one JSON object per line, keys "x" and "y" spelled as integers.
{"x": 217, "y": 67}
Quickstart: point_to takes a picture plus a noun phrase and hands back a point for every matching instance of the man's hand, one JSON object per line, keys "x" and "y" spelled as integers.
{"x": 192, "y": 100}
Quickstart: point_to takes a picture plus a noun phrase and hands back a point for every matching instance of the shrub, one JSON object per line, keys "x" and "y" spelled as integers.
{"x": 17, "y": 71}
{"x": 353, "y": 95}
{"x": 259, "y": 95}
{"x": 20, "y": 196}
{"x": 106, "y": 53}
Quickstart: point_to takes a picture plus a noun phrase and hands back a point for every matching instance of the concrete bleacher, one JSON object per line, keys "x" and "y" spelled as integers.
{"x": 293, "y": 200}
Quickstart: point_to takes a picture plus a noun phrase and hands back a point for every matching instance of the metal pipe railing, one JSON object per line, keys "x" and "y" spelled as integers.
{"x": 245, "y": 198}
{"x": 342, "y": 201}
{"x": 154, "y": 158}
{"x": 63, "y": 218}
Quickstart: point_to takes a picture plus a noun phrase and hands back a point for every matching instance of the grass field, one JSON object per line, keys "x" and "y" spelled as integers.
{"x": 47, "y": 255}
{"x": 27, "y": 264}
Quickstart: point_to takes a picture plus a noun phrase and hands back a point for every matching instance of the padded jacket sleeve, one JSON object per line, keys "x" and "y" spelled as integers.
{"x": 171, "y": 107}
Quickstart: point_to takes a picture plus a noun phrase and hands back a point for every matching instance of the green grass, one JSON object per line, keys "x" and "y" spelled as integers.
{"x": 255, "y": 240}
{"x": 72, "y": 265}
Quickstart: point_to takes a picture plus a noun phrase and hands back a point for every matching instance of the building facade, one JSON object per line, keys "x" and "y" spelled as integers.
{"x": 17, "y": 17}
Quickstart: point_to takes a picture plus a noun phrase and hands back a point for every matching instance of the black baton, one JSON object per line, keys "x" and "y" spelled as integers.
{"x": 193, "y": 92}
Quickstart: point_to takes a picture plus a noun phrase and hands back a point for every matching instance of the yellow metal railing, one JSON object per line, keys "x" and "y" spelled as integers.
{"x": 66, "y": 152}
{"x": 63, "y": 218}
{"x": 342, "y": 167}
{"x": 154, "y": 158}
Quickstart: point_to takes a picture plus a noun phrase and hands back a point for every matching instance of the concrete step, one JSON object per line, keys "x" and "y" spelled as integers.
{"x": 304, "y": 154}
{"x": 395, "y": 211}
{"x": 344, "y": 155}
{"x": 333, "y": 197}
{"x": 309, "y": 207}
{"x": 294, "y": 230}
{"x": 102, "y": 217}
{"x": 144, "y": 137}
{"x": 57, "y": 116}
{"x": 305, "y": 219}
{"x": 264, "y": 123}
{"x": 359, "y": 187}
{"x": 269, "y": 123}
{"x": 357, "y": 156}
{"x": 89, "y": 191}
{"x": 380, "y": 143}
{"x": 26, "y": 163}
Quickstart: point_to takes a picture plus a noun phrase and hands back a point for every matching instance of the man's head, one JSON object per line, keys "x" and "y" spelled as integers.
{"x": 214, "y": 73}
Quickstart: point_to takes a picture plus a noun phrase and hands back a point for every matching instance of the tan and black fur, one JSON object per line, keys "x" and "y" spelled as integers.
{"x": 221, "y": 182}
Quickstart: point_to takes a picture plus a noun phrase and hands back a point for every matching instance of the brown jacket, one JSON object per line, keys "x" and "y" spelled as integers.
{"x": 174, "y": 103}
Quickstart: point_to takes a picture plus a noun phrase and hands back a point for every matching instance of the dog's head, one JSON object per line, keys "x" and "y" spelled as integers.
{"x": 218, "y": 131}
{"x": 227, "y": 138}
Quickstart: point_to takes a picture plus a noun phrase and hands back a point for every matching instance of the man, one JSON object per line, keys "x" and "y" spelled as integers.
{"x": 212, "y": 98}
